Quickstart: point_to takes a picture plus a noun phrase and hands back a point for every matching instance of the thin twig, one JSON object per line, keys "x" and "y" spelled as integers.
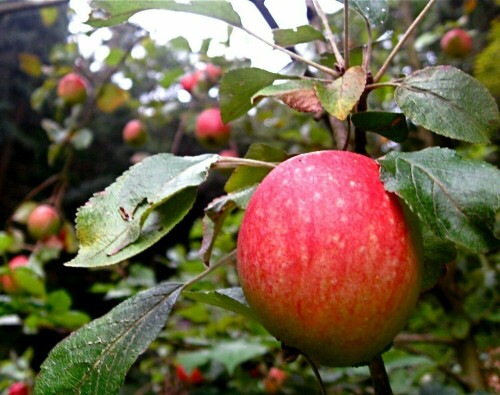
{"x": 329, "y": 34}
{"x": 367, "y": 55}
{"x": 403, "y": 39}
{"x": 226, "y": 259}
{"x": 316, "y": 374}
{"x": 346, "y": 34}
{"x": 293, "y": 55}
{"x": 226, "y": 162}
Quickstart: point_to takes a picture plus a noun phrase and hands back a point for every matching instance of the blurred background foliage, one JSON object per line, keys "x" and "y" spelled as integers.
{"x": 63, "y": 154}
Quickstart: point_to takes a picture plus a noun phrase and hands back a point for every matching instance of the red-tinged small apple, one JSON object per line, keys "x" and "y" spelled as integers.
{"x": 72, "y": 88}
{"x": 193, "y": 378}
{"x": 456, "y": 43}
{"x": 274, "y": 380}
{"x": 7, "y": 280}
{"x": 328, "y": 260}
{"x": 43, "y": 222}
{"x": 229, "y": 153}
{"x": 189, "y": 81}
{"x": 210, "y": 130}
{"x": 134, "y": 133}
{"x": 19, "y": 388}
{"x": 213, "y": 72}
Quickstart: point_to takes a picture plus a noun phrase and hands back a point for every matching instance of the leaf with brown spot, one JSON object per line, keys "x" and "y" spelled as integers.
{"x": 341, "y": 95}
{"x": 299, "y": 95}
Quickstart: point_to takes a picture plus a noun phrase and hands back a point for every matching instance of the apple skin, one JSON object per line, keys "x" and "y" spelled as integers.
{"x": 19, "y": 388}
{"x": 327, "y": 259}
{"x": 273, "y": 382}
{"x": 194, "y": 378}
{"x": 213, "y": 72}
{"x": 72, "y": 88}
{"x": 209, "y": 128}
{"x": 189, "y": 81}
{"x": 134, "y": 133}
{"x": 456, "y": 43}
{"x": 8, "y": 282}
{"x": 43, "y": 222}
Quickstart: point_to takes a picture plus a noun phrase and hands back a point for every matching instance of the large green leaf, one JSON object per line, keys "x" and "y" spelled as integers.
{"x": 375, "y": 11}
{"x": 139, "y": 208}
{"x": 437, "y": 254}
{"x": 298, "y": 35}
{"x": 237, "y": 88}
{"x": 455, "y": 198}
{"x": 118, "y": 11}
{"x": 231, "y": 299}
{"x": 449, "y": 102}
{"x": 341, "y": 95}
{"x": 95, "y": 359}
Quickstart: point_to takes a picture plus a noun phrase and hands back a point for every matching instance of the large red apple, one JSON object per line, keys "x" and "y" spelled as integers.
{"x": 7, "y": 280}
{"x": 327, "y": 259}
{"x": 72, "y": 88}
{"x": 43, "y": 222}
{"x": 134, "y": 133}
{"x": 456, "y": 43}
{"x": 210, "y": 129}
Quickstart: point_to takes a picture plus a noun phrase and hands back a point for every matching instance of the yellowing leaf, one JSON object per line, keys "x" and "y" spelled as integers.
{"x": 30, "y": 64}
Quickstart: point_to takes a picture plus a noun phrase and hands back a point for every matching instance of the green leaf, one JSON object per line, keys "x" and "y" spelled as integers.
{"x": 69, "y": 319}
{"x": 246, "y": 176}
{"x": 215, "y": 214}
{"x": 59, "y": 301}
{"x": 237, "y": 88}
{"x": 340, "y": 96}
{"x": 449, "y": 102}
{"x": 95, "y": 358}
{"x": 170, "y": 76}
{"x": 375, "y": 11}
{"x": 388, "y": 124}
{"x": 299, "y": 95}
{"x": 231, "y": 299}
{"x": 437, "y": 254}
{"x": 298, "y": 35}
{"x": 456, "y": 198}
{"x": 141, "y": 206}
{"x": 118, "y": 11}
{"x": 114, "y": 57}
{"x": 29, "y": 281}
{"x": 231, "y": 354}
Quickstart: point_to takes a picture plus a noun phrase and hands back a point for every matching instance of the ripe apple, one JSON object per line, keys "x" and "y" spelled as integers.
{"x": 134, "y": 133}
{"x": 194, "y": 378}
{"x": 327, "y": 259}
{"x": 189, "y": 81}
{"x": 274, "y": 380}
{"x": 7, "y": 280}
{"x": 210, "y": 130}
{"x": 43, "y": 222}
{"x": 72, "y": 88}
{"x": 456, "y": 43}
{"x": 213, "y": 72}
{"x": 19, "y": 388}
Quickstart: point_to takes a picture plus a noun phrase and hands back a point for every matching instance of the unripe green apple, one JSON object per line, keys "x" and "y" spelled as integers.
{"x": 72, "y": 88}
{"x": 7, "y": 280}
{"x": 210, "y": 130}
{"x": 43, "y": 222}
{"x": 327, "y": 259}
{"x": 134, "y": 133}
{"x": 456, "y": 43}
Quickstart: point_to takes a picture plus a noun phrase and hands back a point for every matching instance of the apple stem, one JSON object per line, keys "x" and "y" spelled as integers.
{"x": 316, "y": 374}
{"x": 380, "y": 380}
